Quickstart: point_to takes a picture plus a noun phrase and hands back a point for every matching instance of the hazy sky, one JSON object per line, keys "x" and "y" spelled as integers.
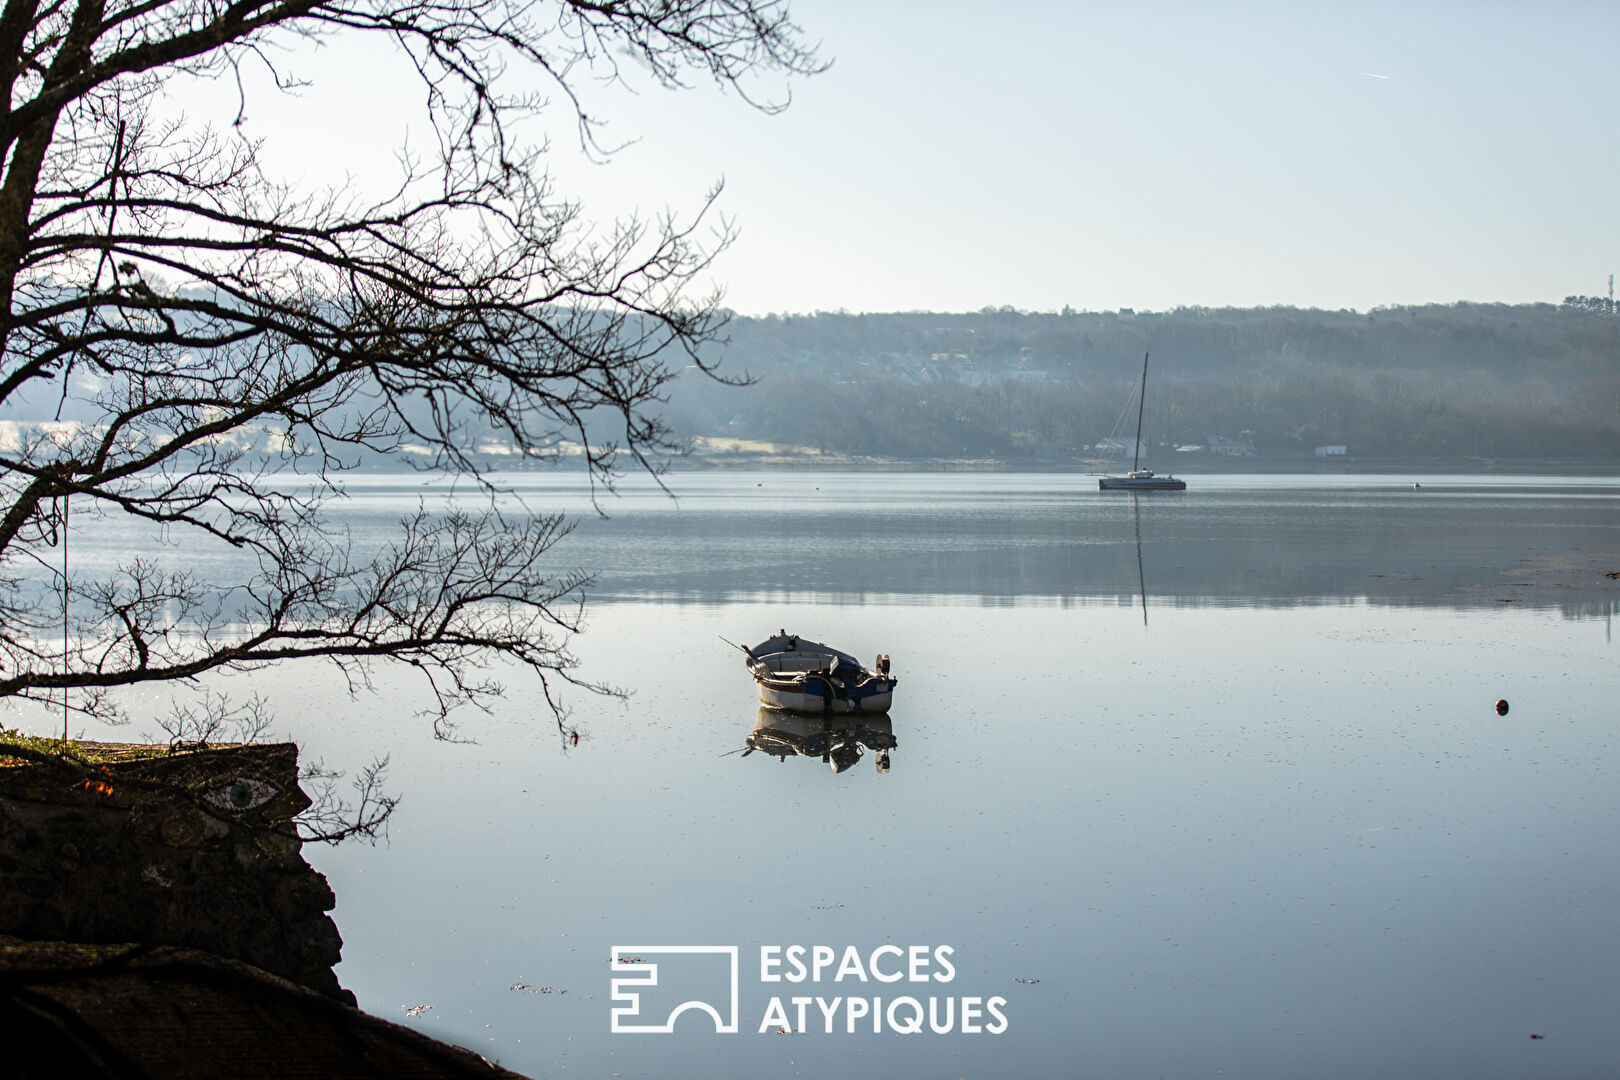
{"x": 1102, "y": 155}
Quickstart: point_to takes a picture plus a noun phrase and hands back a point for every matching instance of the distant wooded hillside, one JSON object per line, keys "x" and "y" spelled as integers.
{"x": 1462, "y": 379}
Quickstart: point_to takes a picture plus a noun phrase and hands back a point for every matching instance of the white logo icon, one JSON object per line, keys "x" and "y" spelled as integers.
{"x": 634, "y": 973}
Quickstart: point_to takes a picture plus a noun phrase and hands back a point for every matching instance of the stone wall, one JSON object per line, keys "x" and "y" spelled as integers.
{"x": 193, "y": 849}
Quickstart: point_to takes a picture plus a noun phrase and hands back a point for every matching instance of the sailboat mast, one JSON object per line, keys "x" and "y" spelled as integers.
{"x": 1141, "y": 402}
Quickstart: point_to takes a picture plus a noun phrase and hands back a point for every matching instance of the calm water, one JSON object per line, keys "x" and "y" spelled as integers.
{"x": 1202, "y": 785}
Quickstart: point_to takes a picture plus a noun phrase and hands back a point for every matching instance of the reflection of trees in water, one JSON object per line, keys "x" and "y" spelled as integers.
{"x": 1389, "y": 545}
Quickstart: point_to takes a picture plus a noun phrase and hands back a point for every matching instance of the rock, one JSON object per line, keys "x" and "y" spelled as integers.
{"x": 193, "y": 849}
{"x": 194, "y": 858}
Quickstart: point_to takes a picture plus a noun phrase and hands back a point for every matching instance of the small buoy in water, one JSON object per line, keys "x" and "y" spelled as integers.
{"x": 1502, "y": 707}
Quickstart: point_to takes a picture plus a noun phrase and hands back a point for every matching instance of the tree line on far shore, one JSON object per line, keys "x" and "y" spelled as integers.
{"x": 1487, "y": 380}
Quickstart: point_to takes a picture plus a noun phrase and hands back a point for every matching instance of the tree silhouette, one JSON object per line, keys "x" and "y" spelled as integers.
{"x": 203, "y": 328}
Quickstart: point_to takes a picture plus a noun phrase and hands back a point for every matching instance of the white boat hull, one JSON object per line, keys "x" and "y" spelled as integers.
{"x": 800, "y": 701}
{"x": 809, "y": 677}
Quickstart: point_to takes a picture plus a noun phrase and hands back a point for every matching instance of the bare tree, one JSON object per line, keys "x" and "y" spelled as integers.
{"x": 203, "y": 330}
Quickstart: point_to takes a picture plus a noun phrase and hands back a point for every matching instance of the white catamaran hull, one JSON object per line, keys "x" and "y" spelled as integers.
{"x": 1141, "y": 483}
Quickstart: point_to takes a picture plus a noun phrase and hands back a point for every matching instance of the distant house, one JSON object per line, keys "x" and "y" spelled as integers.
{"x": 1220, "y": 444}
{"x": 1332, "y": 451}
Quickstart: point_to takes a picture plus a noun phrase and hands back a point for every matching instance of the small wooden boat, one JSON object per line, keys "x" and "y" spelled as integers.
{"x": 807, "y": 676}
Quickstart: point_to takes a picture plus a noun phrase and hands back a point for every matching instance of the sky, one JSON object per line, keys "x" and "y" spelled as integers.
{"x": 1153, "y": 155}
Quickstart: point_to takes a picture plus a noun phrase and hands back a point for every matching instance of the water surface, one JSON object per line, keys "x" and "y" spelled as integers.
{"x": 1267, "y": 825}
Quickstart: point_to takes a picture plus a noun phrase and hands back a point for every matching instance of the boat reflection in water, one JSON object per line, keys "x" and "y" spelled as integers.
{"x": 838, "y": 740}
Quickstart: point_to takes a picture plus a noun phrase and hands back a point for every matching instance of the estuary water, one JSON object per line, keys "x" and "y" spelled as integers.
{"x": 1188, "y": 785}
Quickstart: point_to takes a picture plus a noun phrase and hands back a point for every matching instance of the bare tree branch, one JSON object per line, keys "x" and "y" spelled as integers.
{"x": 205, "y": 351}
{"x": 332, "y": 818}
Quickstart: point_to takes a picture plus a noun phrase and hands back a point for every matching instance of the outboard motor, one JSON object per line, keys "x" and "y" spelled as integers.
{"x": 839, "y": 672}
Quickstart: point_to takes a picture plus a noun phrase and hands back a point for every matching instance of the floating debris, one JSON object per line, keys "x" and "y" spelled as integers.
{"x": 1533, "y": 1035}
{"x": 415, "y": 1010}
{"x": 1502, "y": 707}
{"x": 630, "y": 960}
{"x": 526, "y": 988}
{"x": 1027, "y": 982}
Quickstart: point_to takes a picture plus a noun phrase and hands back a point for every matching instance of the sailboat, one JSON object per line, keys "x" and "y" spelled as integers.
{"x": 1140, "y": 479}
